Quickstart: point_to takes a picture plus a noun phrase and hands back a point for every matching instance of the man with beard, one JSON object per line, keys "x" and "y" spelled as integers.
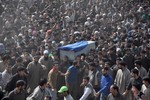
{"x": 146, "y": 87}
{"x": 71, "y": 78}
{"x": 129, "y": 59}
{"x": 106, "y": 82}
{"x": 39, "y": 92}
{"x": 94, "y": 76}
{"x": 64, "y": 92}
{"x": 134, "y": 79}
{"x": 20, "y": 75}
{"x": 88, "y": 89}
{"x": 123, "y": 77}
{"x": 35, "y": 73}
{"x": 142, "y": 70}
{"x": 52, "y": 79}
{"x": 5, "y": 61}
{"x": 6, "y": 75}
{"x": 18, "y": 93}
{"x": 46, "y": 61}
{"x": 18, "y": 63}
{"x": 115, "y": 94}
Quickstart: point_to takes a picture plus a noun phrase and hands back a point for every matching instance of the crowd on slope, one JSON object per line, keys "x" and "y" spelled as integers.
{"x": 33, "y": 30}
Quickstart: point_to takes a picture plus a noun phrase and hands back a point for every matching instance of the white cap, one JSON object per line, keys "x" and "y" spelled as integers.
{"x": 76, "y": 32}
{"x": 29, "y": 30}
{"x": 86, "y": 23}
{"x": 88, "y": 18}
{"x": 20, "y": 35}
{"x": 96, "y": 32}
{"x": 118, "y": 49}
{"x": 45, "y": 52}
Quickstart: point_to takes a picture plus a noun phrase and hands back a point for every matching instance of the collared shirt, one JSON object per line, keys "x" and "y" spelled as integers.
{"x": 87, "y": 92}
{"x": 106, "y": 82}
{"x": 122, "y": 79}
{"x": 38, "y": 94}
{"x": 117, "y": 97}
{"x": 6, "y": 77}
{"x": 52, "y": 78}
{"x": 13, "y": 95}
{"x": 73, "y": 76}
{"x": 68, "y": 97}
{"x": 146, "y": 91}
{"x": 142, "y": 71}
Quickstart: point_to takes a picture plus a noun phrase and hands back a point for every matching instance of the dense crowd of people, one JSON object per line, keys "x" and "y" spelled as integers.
{"x": 33, "y": 30}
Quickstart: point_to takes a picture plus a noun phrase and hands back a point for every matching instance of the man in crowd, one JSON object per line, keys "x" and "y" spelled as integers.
{"x": 20, "y": 75}
{"x": 115, "y": 68}
{"x": 35, "y": 73}
{"x": 110, "y": 71}
{"x": 88, "y": 90}
{"x": 121, "y": 24}
{"x": 134, "y": 79}
{"x": 64, "y": 91}
{"x": 129, "y": 59}
{"x": 115, "y": 94}
{"x": 123, "y": 77}
{"x": 145, "y": 60}
{"x": 142, "y": 70}
{"x": 46, "y": 61}
{"x": 71, "y": 79}
{"x": 39, "y": 92}
{"x": 146, "y": 87}
{"x": 19, "y": 92}
{"x": 5, "y": 61}
{"x": 6, "y": 75}
{"x": 94, "y": 76}
{"x": 106, "y": 82}
{"x": 18, "y": 63}
{"x": 137, "y": 94}
{"x": 53, "y": 79}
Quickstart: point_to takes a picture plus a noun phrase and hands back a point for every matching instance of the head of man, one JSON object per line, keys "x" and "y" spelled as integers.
{"x": 56, "y": 66}
{"x": 118, "y": 60}
{"x": 78, "y": 58}
{"x": 19, "y": 61}
{"x": 105, "y": 71}
{"x": 65, "y": 59}
{"x": 36, "y": 59}
{"x": 9, "y": 68}
{"x": 43, "y": 83}
{"x": 75, "y": 64}
{"x": 20, "y": 85}
{"x": 6, "y": 59}
{"x": 114, "y": 89}
{"x": 83, "y": 57}
{"x": 85, "y": 80}
{"x": 22, "y": 71}
{"x": 138, "y": 64}
{"x": 128, "y": 51}
{"x": 136, "y": 87}
{"x": 122, "y": 65}
{"x": 146, "y": 81}
{"x": 107, "y": 64}
{"x": 64, "y": 91}
{"x": 92, "y": 66}
{"x": 135, "y": 73}
{"x": 45, "y": 53}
